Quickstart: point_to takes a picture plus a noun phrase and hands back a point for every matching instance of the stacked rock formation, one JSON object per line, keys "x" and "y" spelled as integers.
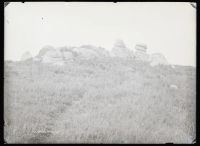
{"x": 141, "y": 53}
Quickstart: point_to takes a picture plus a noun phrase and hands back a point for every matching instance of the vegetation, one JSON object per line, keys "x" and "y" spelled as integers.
{"x": 99, "y": 101}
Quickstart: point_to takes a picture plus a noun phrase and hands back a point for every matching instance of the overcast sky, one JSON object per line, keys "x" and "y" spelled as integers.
{"x": 167, "y": 28}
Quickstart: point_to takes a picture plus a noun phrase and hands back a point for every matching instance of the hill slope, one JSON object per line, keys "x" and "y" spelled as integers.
{"x": 99, "y": 101}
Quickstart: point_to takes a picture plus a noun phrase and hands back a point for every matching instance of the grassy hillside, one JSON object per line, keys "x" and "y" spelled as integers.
{"x": 99, "y": 101}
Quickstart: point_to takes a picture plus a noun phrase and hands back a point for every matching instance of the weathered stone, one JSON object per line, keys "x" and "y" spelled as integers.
{"x": 67, "y": 55}
{"x": 52, "y": 56}
{"x": 85, "y": 53}
{"x": 101, "y": 52}
{"x": 120, "y": 50}
{"x": 158, "y": 59}
{"x": 44, "y": 50}
{"x": 141, "y": 48}
{"x": 140, "y": 53}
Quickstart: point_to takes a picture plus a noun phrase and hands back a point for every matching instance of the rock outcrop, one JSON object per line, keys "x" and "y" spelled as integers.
{"x": 58, "y": 56}
{"x": 120, "y": 50}
{"x": 26, "y": 56}
{"x": 61, "y": 55}
{"x": 52, "y": 56}
{"x": 67, "y": 53}
{"x": 85, "y": 53}
{"x": 158, "y": 59}
{"x": 141, "y": 53}
{"x": 154, "y": 59}
{"x": 101, "y": 52}
{"x": 44, "y": 50}
{"x": 90, "y": 52}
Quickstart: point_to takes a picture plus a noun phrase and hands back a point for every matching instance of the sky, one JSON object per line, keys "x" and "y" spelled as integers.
{"x": 167, "y": 28}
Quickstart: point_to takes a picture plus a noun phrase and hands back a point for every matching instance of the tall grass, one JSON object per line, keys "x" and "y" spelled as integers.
{"x": 99, "y": 101}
